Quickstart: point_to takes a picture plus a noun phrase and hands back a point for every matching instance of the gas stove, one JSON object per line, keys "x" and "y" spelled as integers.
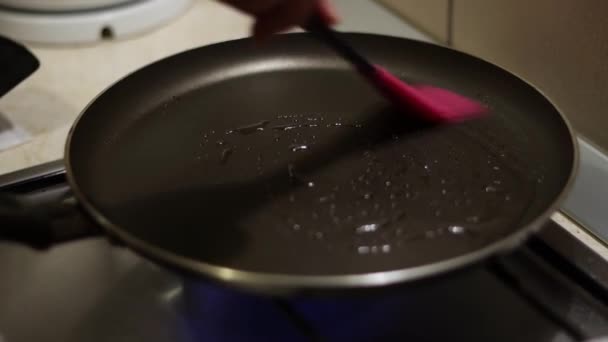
{"x": 555, "y": 288}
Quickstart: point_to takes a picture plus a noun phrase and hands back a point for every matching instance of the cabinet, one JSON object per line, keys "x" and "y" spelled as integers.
{"x": 431, "y": 16}
{"x": 561, "y": 46}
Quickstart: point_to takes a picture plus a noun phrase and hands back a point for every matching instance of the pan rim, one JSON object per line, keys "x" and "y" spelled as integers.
{"x": 274, "y": 283}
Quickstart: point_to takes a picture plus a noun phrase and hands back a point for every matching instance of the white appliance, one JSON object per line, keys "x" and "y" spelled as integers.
{"x": 84, "y": 21}
{"x": 60, "y": 5}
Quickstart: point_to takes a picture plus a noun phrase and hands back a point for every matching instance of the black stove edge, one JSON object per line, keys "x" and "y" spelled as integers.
{"x": 560, "y": 277}
{"x": 20, "y": 178}
{"x": 572, "y": 257}
{"x": 530, "y": 293}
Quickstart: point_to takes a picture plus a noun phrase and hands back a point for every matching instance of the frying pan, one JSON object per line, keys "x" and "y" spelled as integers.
{"x": 278, "y": 169}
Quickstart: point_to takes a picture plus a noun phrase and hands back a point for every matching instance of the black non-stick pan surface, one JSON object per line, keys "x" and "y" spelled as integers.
{"x": 280, "y": 168}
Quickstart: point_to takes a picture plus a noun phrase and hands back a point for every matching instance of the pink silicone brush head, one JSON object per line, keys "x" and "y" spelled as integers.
{"x": 427, "y": 103}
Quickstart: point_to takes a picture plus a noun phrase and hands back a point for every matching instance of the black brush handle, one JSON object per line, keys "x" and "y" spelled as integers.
{"x": 317, "y": 26}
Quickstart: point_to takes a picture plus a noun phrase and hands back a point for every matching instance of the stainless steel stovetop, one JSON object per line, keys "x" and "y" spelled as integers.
{"x": 555, "y": 288}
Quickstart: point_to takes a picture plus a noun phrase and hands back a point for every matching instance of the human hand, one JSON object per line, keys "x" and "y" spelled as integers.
{"x": 273, "y": 16}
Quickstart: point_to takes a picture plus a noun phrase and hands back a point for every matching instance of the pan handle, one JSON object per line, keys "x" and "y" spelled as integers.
{"x": 43, "y": 225}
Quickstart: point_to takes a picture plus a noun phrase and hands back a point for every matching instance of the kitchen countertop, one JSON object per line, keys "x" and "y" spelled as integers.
{"x": 46, "y": 104}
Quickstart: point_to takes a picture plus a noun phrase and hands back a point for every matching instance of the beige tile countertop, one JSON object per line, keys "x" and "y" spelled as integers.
{"x": 46, "y": 104}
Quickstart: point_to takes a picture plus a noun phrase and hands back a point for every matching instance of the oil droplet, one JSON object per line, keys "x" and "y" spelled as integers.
{"x": 490, "y": 188}
{"x": 456, "y": 230}
{"x": 249, "y": 129}
{"x": 298, "y": 148}
{"x": 311, "y": 184}
{"x": 386, "y": 249}
{"x": 220, "y": 143}
{"x": 367, "y": 228}
{"x": 297, "y": 227}
{"x": 496, "y": 168}
{"x": 367, "y": 196}
{"x": 285, "y": 127}
{"x": 444, "y": 192}
{"x": 226, "y": 153}
{"x": 363, "y": 250}
{"x": 388, "y": 183}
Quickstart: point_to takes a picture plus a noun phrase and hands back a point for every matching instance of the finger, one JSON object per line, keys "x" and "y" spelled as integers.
{"x": 282, "y": 17}
{"x": 253, "y": 7}
{"x": 327, "y": 12}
